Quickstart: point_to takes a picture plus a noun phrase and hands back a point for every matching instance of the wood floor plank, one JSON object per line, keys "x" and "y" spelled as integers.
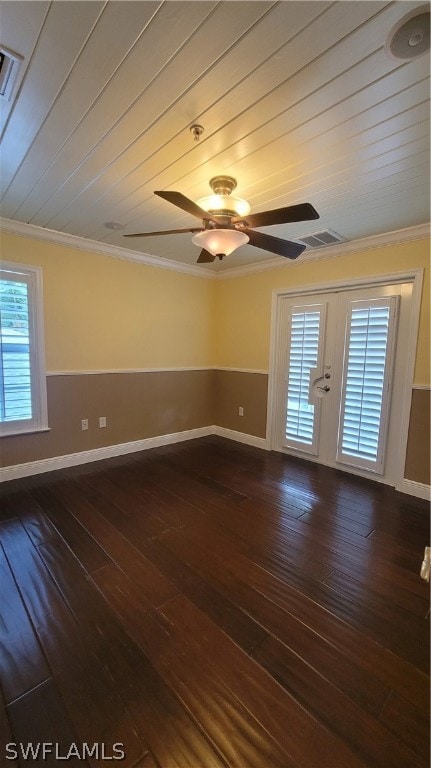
{"x": 39, "y": 717}
{"x": 90, "y": 554}
{"x": 338, "y": 711}
{"x": 154, "y": 581}
{"x": 340, "y": 551}
{"x": 390, "y": 612}
{"x": 408, "y": 722}
{"x": 6, "y": 738}
{"x": 121, "y": 550}
{"x": 238, "y": 736}
{"x": 173, "y": 737}
{"x": 236, "y": 623}
{"x": 392, "y": 670}
{"x": 23, "y": 663}
{"x": 147, "y": 762}
{"x": 374, "y": 585}
{"x": 91, "y": 700}
{"x": 34, "y": 520}
{"x": 214, "y": 605}
{"x": 271, "y": 705}
{"x": 413, "y": 644}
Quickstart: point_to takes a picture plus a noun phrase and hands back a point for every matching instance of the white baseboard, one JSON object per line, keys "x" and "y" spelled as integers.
{"x": 96, "y": 454}
{"x": 29, "y": 468}
{"x": 241, "y": 437}
{"x": 420, "y": 490}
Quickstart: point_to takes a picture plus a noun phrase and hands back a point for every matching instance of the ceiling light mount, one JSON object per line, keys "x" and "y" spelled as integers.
{"x": 196, "y": 130}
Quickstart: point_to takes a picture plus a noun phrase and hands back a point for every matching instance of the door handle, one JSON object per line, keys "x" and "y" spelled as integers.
{"x": 324, "y": 389}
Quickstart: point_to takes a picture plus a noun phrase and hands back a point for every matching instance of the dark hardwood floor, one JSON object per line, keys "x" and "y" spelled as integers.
{"x": 209, "y": 604}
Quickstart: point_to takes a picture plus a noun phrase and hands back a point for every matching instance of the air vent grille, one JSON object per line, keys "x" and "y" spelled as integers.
{"x": 320, "y": 239}
{"x": 9, "y": 67}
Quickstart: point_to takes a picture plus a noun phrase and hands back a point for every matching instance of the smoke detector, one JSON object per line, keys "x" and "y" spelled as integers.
{"x": 410, "y": 37}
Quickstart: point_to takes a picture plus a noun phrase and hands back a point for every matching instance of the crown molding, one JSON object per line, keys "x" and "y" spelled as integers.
{"x": 419, "y": 232}
{"x": 383, "y": 240}
{"x": 22, "y": 229}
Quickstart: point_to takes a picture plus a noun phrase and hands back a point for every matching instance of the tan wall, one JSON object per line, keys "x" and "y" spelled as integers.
{"x": 136, "y": 406}
{"x": 242, "y": 334}
{"x": 243, "y": 304}
{"x": 110, "y": 314}
{"x": 103, "y": 313}
{"x": 248, "y": 390}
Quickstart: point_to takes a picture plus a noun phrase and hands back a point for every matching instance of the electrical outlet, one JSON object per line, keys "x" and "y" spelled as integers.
{"x": 240, "y": 411}
{"x": 102, "y": 421}
{"x": 84, "y": 424}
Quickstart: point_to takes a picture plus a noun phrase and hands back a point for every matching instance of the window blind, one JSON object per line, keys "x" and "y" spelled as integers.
{"x": 15, "y": 384}
{"x": 304, "y": 353}
{"x": 365, "y": 382}
{"x": 23, "y": 406}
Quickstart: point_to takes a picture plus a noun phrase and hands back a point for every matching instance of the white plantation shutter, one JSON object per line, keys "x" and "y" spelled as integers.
{"x": 15, "y": 392}
{"x": 22, "y": 383}
{"x": 306, "y": 332}
{"x": 366, "y": 382}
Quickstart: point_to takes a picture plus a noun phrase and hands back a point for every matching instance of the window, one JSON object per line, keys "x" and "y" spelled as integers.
{"x": 307, "y": 325}
{"x": 366, "y": 382}
{"x": 22, "y": 360}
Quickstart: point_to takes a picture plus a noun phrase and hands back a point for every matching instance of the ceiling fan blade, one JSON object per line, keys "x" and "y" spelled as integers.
{"x": 183, "y": 202}
{"x": 205, "y": 257}
{"x": 301, "y": 212}
{"x": 163, "y": 232}
{"x": 274, "y": 244}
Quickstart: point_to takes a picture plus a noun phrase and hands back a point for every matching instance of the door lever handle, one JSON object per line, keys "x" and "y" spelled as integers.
{"x": 324, "y": 389}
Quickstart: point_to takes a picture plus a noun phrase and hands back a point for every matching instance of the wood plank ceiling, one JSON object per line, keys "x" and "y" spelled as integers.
{"x": 298, "y": 101}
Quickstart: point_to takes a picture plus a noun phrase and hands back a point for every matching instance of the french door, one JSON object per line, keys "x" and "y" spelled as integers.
{"x": 340, "y": 368}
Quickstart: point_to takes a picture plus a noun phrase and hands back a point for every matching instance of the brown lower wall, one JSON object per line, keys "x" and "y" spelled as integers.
{"x": 418, "y": 446}
{"x": 136, "y": 406}
{"x": 248, "y": 390}
{"x": 143, "y": 405}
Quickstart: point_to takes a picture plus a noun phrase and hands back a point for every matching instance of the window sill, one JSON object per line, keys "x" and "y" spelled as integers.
{"x": 25, "y": 431}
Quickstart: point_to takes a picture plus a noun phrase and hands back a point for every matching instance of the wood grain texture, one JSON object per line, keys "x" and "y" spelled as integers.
{"x": 212, "y": 605}
{"x": 106, "y": 99}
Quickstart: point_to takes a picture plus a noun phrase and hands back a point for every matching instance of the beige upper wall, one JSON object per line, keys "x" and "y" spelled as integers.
{"x": 103, "y": 313}
{"x": 243, "y": 304}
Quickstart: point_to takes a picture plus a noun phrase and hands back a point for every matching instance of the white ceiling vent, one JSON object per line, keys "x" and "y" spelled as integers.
{"x": 320, "y": 239}
{"x": 10, "y": 63}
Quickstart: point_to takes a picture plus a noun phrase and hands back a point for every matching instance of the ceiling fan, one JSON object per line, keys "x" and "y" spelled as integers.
{"x": 226, "y": 222}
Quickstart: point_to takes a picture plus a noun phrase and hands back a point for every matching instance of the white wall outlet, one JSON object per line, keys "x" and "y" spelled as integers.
{"x": 102, "y": 421}
{"x": 84, "y": 424}
{"x": 240, "y": 411}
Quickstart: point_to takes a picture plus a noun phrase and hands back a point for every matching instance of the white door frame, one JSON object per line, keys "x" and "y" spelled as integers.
{"x": 415, "y": 277}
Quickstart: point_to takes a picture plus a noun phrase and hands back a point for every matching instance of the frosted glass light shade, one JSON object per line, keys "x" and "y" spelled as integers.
{"x": 219, "y": 204}
{"x": 220, "y": 241}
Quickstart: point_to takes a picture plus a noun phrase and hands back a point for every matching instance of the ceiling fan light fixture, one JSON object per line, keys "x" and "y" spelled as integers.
{"x": 220, "y": 241}
{"x": 224, "y": 205}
